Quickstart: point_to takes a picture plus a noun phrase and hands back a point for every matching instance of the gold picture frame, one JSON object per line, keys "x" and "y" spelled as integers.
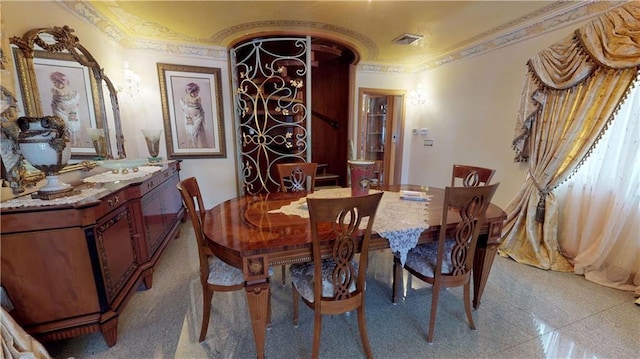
{"x": 192, "y": 110}
{"x": 88, "y": 96}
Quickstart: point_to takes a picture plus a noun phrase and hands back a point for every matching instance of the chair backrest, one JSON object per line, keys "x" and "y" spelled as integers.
{"x": 471, "y": 204}
{"x": 191, "y": 197}
{"x": 471, "y": 176}
{"x": 340, "y": 218}
{"x": 293, "y": 176}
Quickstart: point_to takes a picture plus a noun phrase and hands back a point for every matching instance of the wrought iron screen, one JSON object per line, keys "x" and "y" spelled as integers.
{"x": 272, "y": 102}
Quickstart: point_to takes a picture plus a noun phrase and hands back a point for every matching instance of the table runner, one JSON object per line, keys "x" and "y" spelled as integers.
{"x": 399, "y": 221}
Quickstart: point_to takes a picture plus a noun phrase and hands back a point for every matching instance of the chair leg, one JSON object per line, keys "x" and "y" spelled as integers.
{"x": 284, "y": 275}
{"x": 434, "y": 307}
{"x": 207, "y": 295}
{"x": 317, "y": 327}
{"x": 397, "y": 279}
{"x": 269, "y": 309}
{"x": 296, "y": 298}
{"x": 467, "y": 304}
{"x": 363, "y": 332}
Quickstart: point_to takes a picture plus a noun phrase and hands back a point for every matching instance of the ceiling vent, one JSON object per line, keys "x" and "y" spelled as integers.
{"x": 407, "y": 39}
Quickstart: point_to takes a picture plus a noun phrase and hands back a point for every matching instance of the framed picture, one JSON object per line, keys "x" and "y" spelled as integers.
{"x": 65, "y": 88}
{"x": 192, "y": 111}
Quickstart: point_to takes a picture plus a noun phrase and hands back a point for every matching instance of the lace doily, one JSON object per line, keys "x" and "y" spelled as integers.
{"x": 109, "y": 176}
{"x": 27, "y": 201}
{"x": 400, "y": 221}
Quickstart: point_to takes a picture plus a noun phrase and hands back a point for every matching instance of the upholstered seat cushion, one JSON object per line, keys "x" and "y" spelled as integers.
{"x": 221, "y": 273}
{"x": 302, "y": 278}
{"x": 423, "y": 257}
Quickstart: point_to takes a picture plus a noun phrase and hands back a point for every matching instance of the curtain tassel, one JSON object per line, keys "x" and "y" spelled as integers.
{"x": 540, "y": 208}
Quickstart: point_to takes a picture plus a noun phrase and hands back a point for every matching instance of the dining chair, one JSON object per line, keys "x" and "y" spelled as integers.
{"x": 471, "y": 176}
{"x": 293, "y": 176}
{"x": 449, "y": 261}
{"x": 336, "y": 284}
{"x": 215, "y": 274}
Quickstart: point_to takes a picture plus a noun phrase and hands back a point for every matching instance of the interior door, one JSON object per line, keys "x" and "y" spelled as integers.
{"x": 381, "y": 124}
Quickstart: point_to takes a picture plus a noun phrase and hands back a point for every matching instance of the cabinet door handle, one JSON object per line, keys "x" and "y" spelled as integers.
{"x": 114, "y": 201}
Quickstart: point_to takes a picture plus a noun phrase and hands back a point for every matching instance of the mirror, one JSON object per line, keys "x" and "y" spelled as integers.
{"x": 58, "y": 76}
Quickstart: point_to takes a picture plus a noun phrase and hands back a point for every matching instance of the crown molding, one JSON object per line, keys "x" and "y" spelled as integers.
{"x": 549, "y": 18}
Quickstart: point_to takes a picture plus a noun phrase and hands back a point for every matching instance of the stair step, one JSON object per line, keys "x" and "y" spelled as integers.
{"x": 327, "y": 177}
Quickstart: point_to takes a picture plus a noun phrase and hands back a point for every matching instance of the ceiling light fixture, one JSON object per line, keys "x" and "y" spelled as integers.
{"x": 407, "y": 39}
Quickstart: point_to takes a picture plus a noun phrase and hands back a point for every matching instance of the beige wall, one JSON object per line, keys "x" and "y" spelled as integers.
{"x": 470, "y": 111}
{"x": 470, "y": 115}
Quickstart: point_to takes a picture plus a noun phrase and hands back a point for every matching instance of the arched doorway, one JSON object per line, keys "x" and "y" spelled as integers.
{"x": 292, "y": 101}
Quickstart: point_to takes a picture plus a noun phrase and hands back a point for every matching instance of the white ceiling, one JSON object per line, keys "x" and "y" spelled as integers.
{"x": 452, "y": 29}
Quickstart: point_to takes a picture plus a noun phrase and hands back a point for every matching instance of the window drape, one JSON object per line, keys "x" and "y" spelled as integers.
{"x": 571, "y": 92}
{"x": 599, "y": 226}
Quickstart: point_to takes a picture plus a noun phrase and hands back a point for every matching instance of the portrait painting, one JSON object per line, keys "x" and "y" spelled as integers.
{"x": 66, "y": 89}
{"x": 192, "y": 111}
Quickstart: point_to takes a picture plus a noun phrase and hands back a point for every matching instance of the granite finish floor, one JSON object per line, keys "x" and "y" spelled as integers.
{"x": 525, "y": 313}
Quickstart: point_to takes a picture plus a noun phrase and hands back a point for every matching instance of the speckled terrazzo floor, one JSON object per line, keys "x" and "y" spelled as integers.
{"x": 525, "y": 313}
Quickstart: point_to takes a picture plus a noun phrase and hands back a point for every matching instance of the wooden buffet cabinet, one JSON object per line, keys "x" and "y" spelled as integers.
{"x": 69, "y": 270}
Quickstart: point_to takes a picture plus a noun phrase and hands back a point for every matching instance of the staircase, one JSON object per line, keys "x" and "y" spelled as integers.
{"x": 324, "y": 179}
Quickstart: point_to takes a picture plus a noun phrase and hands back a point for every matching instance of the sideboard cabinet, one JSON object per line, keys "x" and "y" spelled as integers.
{"x": 69, "y": 270}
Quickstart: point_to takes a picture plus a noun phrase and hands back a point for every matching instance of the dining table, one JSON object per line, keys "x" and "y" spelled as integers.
{"x": 254, "y": 232}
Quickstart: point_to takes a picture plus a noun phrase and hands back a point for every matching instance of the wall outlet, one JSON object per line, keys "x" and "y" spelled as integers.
{"x": 423, "y": 131}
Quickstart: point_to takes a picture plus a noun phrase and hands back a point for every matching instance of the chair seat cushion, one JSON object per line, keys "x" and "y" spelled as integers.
{"x": 302, "y": 278}
{"x": 221, "y": 273}
{"x": 423, "y": 257}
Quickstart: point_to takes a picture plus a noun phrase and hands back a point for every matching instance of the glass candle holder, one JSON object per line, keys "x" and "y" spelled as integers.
{"x": 99, "y": 140}
{"x": 152, "y": 138}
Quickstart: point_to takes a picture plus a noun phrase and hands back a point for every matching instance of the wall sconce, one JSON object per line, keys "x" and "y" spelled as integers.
{"x": 418, "y": 96}
{"x": 130, "y": 81}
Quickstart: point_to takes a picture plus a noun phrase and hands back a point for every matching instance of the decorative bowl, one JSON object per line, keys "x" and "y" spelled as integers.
{"x": 123, "y": 165}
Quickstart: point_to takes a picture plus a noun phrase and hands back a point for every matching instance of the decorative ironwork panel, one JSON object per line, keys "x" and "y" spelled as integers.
{"x": 271, "y": 78}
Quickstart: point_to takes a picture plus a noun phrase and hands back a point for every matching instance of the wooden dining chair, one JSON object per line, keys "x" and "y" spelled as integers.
{"x": 449, "y": 261}
{"x": 471, "y": 176}
{"x": 336, "y": 284}
{"x": 293, "y": 176}
{"x": 215, "y": 274}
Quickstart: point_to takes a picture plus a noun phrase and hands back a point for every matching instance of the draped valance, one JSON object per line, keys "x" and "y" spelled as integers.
{"x": 612, "y": 41}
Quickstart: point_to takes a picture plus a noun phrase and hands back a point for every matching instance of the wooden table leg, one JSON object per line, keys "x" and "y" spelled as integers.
{"x": 256, "y": 275}
{"x": 484, "y": 256}
{"x": 258, "y": 300}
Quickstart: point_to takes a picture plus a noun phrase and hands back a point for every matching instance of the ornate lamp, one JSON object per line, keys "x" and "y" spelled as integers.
{"x": 44, "y": 142}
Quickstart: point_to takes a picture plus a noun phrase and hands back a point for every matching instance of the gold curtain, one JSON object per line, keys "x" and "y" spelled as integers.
{"x": 571, "y": 91}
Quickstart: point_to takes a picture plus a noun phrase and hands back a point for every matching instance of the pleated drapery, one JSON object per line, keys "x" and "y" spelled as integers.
{"x": 571, "y": 92}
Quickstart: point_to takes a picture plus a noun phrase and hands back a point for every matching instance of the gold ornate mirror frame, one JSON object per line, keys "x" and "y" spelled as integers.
{"x": 60, "y": 43}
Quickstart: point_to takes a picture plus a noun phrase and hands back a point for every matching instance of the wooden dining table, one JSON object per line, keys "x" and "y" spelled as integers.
{"x": 249, "y": 233}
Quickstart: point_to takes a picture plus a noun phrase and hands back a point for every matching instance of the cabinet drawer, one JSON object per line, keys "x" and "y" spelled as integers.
{"x": 155, "y": 181}
{"x": 110, "y": 203}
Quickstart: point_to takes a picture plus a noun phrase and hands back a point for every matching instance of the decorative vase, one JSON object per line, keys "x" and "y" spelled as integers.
{"x": 361, "y": 171}
{"x": 44, "y": 142}
{"x": 99, "y": 140}
{"x": 152, "y": 137}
